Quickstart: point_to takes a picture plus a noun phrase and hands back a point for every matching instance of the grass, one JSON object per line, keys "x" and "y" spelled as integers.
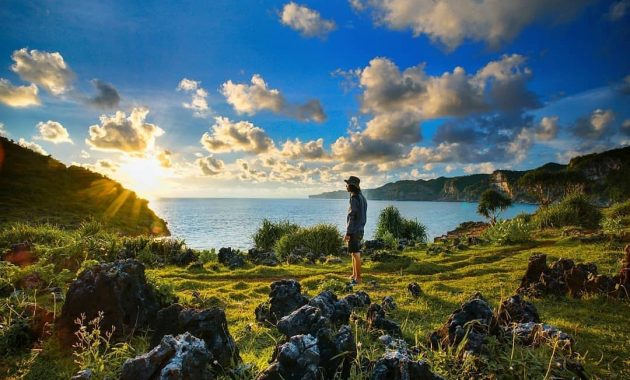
{"x": 600, "y": 326}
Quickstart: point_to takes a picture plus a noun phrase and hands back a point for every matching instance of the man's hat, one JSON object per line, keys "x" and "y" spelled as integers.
{"x": 352, "y": 180}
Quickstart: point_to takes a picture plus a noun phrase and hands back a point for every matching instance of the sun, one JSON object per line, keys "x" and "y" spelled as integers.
{"x": 143, "y": 175}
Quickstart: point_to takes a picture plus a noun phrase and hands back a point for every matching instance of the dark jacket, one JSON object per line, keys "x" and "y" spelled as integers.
{"x": 357, "y": 214}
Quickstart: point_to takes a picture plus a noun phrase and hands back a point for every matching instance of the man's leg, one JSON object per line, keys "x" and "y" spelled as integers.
{"x": 354, "y": 272}
{"x": 356, "y": 265}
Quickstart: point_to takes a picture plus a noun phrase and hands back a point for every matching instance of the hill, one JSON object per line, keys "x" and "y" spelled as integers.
{"x": 606, "y": 175}
{"x": 37, "y": 188}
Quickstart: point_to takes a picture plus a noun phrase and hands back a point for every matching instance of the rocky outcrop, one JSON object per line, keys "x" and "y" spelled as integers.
{"x": 284, "y": 298}
{"x": 515, "y": 310}
{"x": 414, "y": 289}
{"x": 267, "y": 258}
{"x": 296, "y": 359}
{"x": 399, "y": 365}
{"x": 231, "y": 258}
{"x": 305, "y": 320}
{"x": 181, "y": 357}
{"x": 535, "y": 334}
{"x": 210, "y": 325}
{"x": 119, "y": 289}
{"x": 377, "y": 320}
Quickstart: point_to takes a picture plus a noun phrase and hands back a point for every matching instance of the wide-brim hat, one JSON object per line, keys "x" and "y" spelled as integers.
{"x": 352, "y": 180}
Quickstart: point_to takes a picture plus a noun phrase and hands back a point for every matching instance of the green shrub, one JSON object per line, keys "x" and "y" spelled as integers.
{"x": 389, "y": 240}
{"x": 322, "y": 239}
{"x": 205, "y": 256}
{"x": 573, "y": 210}
{"x": 512, "y": 231}
{"x": 612, "y": 226}
{"x": 270, "y": 232}
{"x": 390, "y": 220}
{"x": 619, "y": 209}
{"x": 44, "y": 234}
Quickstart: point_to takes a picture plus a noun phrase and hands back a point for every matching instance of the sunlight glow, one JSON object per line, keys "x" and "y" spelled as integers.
{"x": 143, "y": 175}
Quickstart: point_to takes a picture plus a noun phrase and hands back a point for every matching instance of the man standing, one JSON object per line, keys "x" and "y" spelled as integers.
{"x": 355, "y": 222}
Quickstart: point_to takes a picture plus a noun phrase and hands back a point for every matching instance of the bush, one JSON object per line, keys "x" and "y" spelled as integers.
{"x": 612, "y": 226}
{"x": 389, "y": 240}
{"x": 390, "y": 220}
{"x": 270, "y": 232}
{"x": 512, "y": 231}
{"x": 619, "y": 209}
{"x": 205, "y": 256}
{"x": 573, "y": 210}
{"x": 491, "y": 203}
{"x": 321, "y": 239}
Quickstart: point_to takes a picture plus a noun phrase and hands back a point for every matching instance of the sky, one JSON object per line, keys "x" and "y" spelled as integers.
{"x": 255, "y": 98}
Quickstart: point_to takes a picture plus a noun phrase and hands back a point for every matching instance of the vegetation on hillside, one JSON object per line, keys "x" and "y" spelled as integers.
{"x": 39, "y": 189}
{"x": 491, "y": 203}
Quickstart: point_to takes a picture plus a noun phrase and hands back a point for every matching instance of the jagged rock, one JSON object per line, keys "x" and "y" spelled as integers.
{"x": 337, "y": 352}
{"x": 398, "y": 365}
{"x": 181, "y": 357}
{"x": 210, "y": 325}
{"x": 231, "y": 258}
{"x": 262, "y": 258}
{"x": 358, "y": 299}
{"x": 184, "y": 258}
{"x": 21, "y": 254}
{"x": 414, "y": 289}
{"x": 515, "y": 310}
{"x": 538, "y": 333}
{"x": 305, "y": 320}
{"x": 297, "y": 359}
{"x": 473, "y": 320}
{"x": 536, "y": 266}
{"x": 388, "y": 303}
{"x": 285, "y": 297}
{"x": 40, "y": 320}
{"x": 377, "y": 321}
{"x": 119, "y": 290}
{"x": 86, "y": 374}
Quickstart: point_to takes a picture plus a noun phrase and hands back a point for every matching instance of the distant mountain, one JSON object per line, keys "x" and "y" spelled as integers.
{"x": 607, "y": 175}
{"x": 37, "y": 188}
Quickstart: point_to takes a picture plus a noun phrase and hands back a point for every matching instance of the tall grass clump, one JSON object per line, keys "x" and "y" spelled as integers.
{"x": 511, "y": 231}
{"x": 44, "y": 234}
{"x": 574, "y": 210}
{"x": 320, "y": 239}
{"x": 270, "y": 232}
{"x": 390, "y": 221}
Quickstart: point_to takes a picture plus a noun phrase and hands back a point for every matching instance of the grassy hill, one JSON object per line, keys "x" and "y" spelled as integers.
{"x": 606, "y": 173}
{"x": 36, "y": 188}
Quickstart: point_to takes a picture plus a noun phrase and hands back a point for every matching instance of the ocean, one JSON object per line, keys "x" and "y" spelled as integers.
{"x": 206, "y": 223}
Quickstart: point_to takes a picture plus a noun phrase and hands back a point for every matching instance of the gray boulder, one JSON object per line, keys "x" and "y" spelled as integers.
{"x": 297, "y": 359}
{"x": 284, "y": 298}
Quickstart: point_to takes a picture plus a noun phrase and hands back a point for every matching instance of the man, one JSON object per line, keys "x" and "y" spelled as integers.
{"x": 355, "y": 222}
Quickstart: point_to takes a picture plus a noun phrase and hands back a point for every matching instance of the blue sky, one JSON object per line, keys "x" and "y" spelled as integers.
{"x": 187, "y": 98}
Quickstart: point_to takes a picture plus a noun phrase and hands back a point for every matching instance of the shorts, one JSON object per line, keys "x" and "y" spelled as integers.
{"x": 354, "y": 244}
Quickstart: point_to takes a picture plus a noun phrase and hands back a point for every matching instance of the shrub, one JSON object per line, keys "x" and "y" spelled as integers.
{"x": 491, "y": 203}
{"x": 512, "y": 231}
{"x": 323, "y": 239}
{"x": 270, "y": 232}
{"x": 390, "y": 220}
{"x": 389, "y": 240}
{"x": 619, "y": 209}
{"x": 612, "y": 226}
{"x": 205, "y": 256}
{"x": 573, "y": 210}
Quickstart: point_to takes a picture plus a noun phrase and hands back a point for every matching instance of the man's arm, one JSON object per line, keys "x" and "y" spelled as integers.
{"x": 352, "y": 215}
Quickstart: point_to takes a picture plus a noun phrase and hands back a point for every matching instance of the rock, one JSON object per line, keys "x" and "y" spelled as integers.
{"x": 119, "y": 289}
{"x": 414, "y": 289}
{"x": 473, "y": 320}
{"x": 337, "y": 352}
{"x": 262, "y": 258}
{"x": 32, "y": 281}
{"x": 305, "y": 320}
{"x": 377, "y": 321}
{"x": 601, "y": 284}
{"x": 358, "y": 299}
{"x": 21, "y": 254}
{"x": 293, "y": 259}
{"x": 284, "y": 298}
{"x": 576, "y": 278}
{"x": 536, "y": 266}
{"x": 515, "y": 310}
{"x": 398, "y": 365}
{"x": 388, "y": 303}
{"x": 373, "y": 245}
{"x": 539, "y": 333}
{"x": 297, "y": 359}
{"x": 184, "y": 258}
{"x": 86, "y": 374}
{"x": 181, "y": 357}
{"x": 40, "y": 320}
{"x": 195, "y": 266}
{"x": 333, "y": 260}
{"x": 230, "y": 258}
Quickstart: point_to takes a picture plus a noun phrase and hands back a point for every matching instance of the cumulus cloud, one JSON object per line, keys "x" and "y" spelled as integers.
{"x": 107, "y": 96}
{"x": 3, "y": 130}
{"x": 165, "y": 159}
{"x": 85, "y": 154}
{"x": 311, "y": 150}
{"x": 45, "y": 69}
{"x": 547, "y": 129}
{"x": 124, "y": 134}
{"x": 18, "y": 96}
{"x": 210, "y": 165}
{"x": 198, "y": 103}
{"x": 32, "y": 146}
{"x": 594, "y": 126}
{"x": 228, "y": 136}
{"x": 359, "y": 147}
{"x": 484, "y": 167}
{"x": 250, "y": 99}
{"x": 308, "y": 22}
{"x": 450, "y": 22}
{"x": 53, "y": 132}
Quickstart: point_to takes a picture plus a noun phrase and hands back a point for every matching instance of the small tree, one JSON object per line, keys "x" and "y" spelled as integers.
{"x": 492, "y": 203}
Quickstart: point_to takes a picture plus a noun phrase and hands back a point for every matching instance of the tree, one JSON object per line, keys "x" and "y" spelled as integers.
{"x": 492, "y": 203}
{"x": 548, "y": 186}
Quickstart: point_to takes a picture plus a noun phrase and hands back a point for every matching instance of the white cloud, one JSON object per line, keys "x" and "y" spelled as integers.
{"x": 198, "y": 103}
{"x": 548, "y": 128}
{"x": 228, "y": 136}
{"x": 594, "y": 126}
{"x": 210, "y": 166}
{"x": 47, "y": 70}
{"x": 250, "y": 99}
{"x": 3, "y": 131}
{"x": 84, "y": 154}
{"x": 53, "y": 132}
{"x": 308, "y": 22}
{"x": 124, "y": 134}
{"x": 18, "y": 96}
{"x": 32, "y": 146}
{"x": 484, "y": 167}
{"x": 165, "y": 158}
{"x": 450, "y": 22}
{"x": 311, "y": 150}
